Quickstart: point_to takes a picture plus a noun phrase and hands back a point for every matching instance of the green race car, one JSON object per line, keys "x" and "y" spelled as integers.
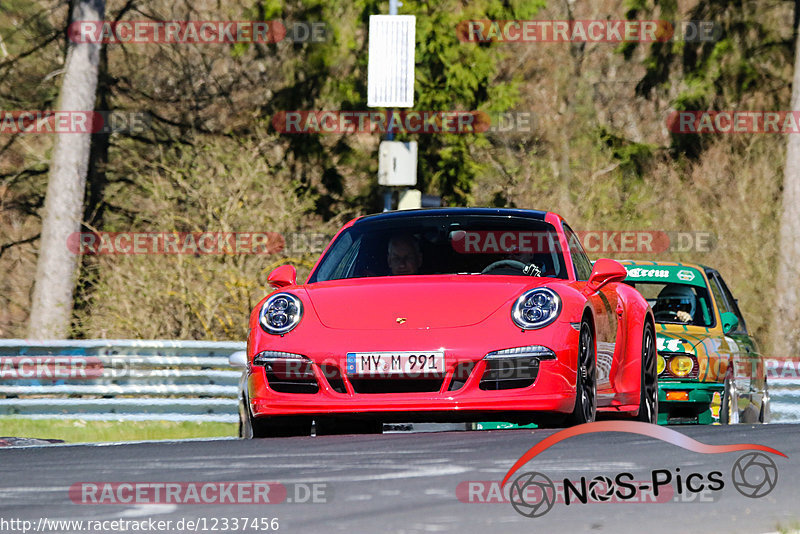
{"x": 710, "y": 369}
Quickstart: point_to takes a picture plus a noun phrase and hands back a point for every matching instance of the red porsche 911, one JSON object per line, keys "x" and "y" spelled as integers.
{"x": 454, "y": 314}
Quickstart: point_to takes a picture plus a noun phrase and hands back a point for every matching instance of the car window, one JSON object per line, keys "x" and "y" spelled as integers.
{"x": 677, "y": 303}
{"x": 719, "y": 298}
{"x": 341, "y": 254}
{"x": 732, "y": 305}
{"x": 583, "y": 267}
{"x": 467, "y": 244}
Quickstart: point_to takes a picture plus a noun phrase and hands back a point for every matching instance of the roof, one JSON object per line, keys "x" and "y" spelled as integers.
{"x": 665, "y": 272}
{"x": 644, "y": 263}
{"x": 455, "y": 212}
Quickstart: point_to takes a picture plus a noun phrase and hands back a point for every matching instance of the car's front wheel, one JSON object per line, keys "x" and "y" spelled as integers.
{"x": 764, "y": 414}
{"x": 271, "y": 427}
{"x": 585, "y": 409}
{"x": 729, "y": 411}
{"x": 648, "y": 391}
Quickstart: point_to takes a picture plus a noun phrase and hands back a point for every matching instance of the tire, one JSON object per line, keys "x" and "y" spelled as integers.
{"x": 765, "y": 415}
{"x": 331, "y": 426}
{"x": 585, "y": 410}
{"x": 245, "y": 429}
{"x": 648, "y": 390}
{"x": 271, "y": 427}
{"x": 729, "y": 411}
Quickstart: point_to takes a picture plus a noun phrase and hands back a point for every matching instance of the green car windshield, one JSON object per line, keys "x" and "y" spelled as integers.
{"x": 675, "y": 303}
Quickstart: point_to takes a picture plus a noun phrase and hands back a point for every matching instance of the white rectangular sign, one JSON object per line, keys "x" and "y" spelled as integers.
{"x": 390, "y": 71}
{"x": 404, "y": 363}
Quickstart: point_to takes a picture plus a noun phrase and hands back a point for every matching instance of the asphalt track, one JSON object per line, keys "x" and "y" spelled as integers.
{"x": 405, "y": 483}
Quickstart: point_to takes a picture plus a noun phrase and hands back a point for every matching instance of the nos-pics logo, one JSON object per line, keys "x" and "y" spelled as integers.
{"x": 533, "y": 494}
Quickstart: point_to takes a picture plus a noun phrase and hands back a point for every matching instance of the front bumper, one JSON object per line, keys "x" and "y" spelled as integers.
{"x": 458, "y": 396}
{"x": 701, "y": 407}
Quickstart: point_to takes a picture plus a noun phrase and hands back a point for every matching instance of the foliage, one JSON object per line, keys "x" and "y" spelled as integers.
{"x": 745, "y": 66}
{"x": 598, "y": 151}
{"x": 452, "y": 75}
{"x": 218, "y": 185}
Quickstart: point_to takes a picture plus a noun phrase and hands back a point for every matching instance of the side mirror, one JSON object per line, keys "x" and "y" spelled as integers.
{"x": 604, "y": 272}
{"x": 729, "y": 322}
{"x": 285, "y": 275}
{"x": 238, "y": 359}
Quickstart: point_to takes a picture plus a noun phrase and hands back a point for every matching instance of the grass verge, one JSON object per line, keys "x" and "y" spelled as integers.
{"x": 82, "y": 431}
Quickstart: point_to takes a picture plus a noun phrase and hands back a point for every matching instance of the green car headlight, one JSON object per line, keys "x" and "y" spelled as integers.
{"x": 681, "y": 365}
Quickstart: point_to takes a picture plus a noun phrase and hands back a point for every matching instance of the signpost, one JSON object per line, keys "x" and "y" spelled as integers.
{"x": 390, "y": 83}
{"x": 390, "y": 69}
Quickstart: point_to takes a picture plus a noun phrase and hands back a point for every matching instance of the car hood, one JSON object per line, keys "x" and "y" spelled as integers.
{"x": 422, "y": 302}
{"x": 670, "y": 341}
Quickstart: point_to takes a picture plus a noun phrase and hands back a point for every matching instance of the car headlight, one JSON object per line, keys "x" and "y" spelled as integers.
{"x": 681, "y": 365}
{"x": 662, "y": 364}
{"x": 536, "y": 308}
{"x": 280, "y": 313}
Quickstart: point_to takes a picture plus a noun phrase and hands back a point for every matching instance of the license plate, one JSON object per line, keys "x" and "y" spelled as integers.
{"x": 406, "y": 363}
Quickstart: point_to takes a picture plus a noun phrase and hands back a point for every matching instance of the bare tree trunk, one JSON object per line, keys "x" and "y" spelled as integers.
{"x": 786, "y": 318}
{"x": 51, "y": 309}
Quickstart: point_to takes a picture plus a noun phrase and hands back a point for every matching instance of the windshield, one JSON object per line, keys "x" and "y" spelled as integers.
{"x": 444, "y": 245}
{"x": 678, "y": 303}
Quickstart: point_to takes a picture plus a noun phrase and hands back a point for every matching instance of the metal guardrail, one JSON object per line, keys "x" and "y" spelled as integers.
{"x": 119, "y": 379}
{"x": 784, "y": 395}
{"x": 162, "y": 380}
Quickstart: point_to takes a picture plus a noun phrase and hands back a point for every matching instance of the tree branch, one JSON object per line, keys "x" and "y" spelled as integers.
{"x": 7, "y": 246}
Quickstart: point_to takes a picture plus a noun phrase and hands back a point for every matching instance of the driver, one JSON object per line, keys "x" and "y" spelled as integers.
{"x": 678, "y": 299}
{"x": 404, "y": 255}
